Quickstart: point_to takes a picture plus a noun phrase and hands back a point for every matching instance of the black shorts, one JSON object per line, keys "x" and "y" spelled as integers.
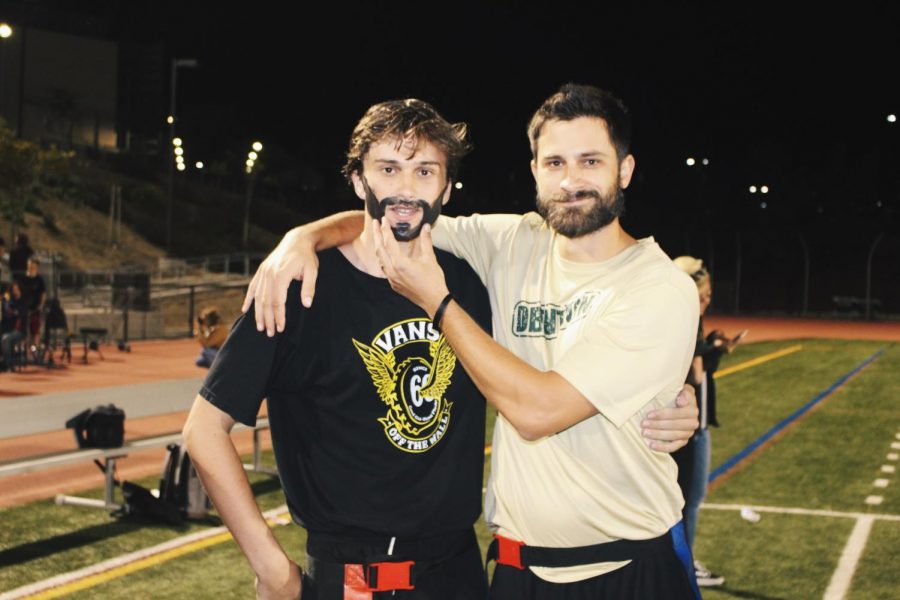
{"x": 448, "y": 567}
{"x": 666, "y": 573}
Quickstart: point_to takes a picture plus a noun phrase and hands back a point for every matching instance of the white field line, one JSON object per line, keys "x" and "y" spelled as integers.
{"x": 125, "y": 559}
{"x": 802, "y": 511}
{"x": 843, "y": 575}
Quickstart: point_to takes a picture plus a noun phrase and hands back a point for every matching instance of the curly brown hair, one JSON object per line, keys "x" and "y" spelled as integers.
{"x": 406, "y": 119}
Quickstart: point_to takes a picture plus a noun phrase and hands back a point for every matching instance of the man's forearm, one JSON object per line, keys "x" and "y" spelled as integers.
{"x": 537, "y": 403}
{"x": 334, "y": 230}
{"x": 219, "y": 466}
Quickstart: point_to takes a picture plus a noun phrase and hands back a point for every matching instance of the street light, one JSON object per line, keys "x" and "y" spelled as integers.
{"x": 691, "y": 162}
{"x": 892, "y": 118}
{"x": 176, "y": 63}
{"x": 252, "y": 157}
{"x": 5, "y": 32}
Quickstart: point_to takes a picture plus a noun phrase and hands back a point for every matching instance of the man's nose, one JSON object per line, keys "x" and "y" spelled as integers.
{"x": 407, "y": 186}
{"x": 572, "y": 179}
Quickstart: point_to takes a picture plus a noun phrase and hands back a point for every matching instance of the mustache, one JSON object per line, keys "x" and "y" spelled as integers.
{"x": 579, "y": 195}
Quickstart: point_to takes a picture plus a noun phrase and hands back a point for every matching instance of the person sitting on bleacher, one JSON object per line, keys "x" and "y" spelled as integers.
{"x": 211, "y": 333}
{"x": 12, "y": 324}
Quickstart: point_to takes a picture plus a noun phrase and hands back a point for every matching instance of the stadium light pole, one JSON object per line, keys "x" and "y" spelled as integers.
{"x": 252, "y": 157}
{"x": 6, "y": 32}
{"x": 170, "y": 119}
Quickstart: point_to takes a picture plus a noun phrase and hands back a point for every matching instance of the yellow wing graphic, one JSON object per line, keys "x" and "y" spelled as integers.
{"x": 381, "y": 368}
{"x": 442, "y": 364}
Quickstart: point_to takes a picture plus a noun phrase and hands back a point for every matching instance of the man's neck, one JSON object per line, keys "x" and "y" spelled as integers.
{"x": 361, "y": 252}
{"x": 596, "y": 246}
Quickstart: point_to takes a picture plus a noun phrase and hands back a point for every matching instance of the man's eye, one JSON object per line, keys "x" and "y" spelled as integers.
{"x": 388, "y": 170}
{"x": 554, "y": 163}
{"x": 424, "y": 172}
{"x": 591, "y": 162}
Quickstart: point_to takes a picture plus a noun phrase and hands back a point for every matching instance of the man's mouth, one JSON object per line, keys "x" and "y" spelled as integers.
{"x": 576, "y": 198}
{"x": 404, "y": 212}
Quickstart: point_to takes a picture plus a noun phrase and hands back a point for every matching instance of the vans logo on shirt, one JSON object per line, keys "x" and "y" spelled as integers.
{"x": 534, "y": 319}
{"x": 418, "y": 414}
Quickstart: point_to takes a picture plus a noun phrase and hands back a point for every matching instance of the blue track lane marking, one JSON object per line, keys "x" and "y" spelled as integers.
{"x": 740, "y": 456}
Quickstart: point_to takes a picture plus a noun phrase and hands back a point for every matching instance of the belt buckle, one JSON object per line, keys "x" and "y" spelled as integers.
{"x": 509, "y": 552}
{"x": 388, "y": 576}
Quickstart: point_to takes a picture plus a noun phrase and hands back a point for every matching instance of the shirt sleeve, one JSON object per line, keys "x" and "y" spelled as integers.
{"x": 238, "y": 379}
{"x": 476, "y": 239}
{"x": 640, "y": 347}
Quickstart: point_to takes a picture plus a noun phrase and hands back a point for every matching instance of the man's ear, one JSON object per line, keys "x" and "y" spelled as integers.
{"x": 446, "y": 196}
{"x": 358, "y": 186}
{"x": 626, "y": 170}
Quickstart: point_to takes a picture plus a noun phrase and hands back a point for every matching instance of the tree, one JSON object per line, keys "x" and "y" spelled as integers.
{"x": 23, "y": 166}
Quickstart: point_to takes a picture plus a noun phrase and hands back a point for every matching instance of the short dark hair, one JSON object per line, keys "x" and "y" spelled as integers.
{"x": 575, "y": 100}
{"x": 406, "y": 119}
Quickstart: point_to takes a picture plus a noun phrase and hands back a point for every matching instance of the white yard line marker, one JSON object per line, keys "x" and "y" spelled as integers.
{"x": 874, "y": 500}
{"x": 893, "y": 456}
{"x": 787, "y": 510}
{"x": 843, "y": 575}
{"x": 895, "y": 445}
{"x": 888, "y": 468}
{"x": 881, "y": 483}
{"x": 123, "y": 562}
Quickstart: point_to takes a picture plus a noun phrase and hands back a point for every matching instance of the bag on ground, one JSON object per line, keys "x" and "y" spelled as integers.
{"x": 99, "y": 427}
{"x": 180, "y": 484}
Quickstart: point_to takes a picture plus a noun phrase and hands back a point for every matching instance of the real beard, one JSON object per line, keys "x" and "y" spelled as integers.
{"x": 402, "y": 231}
{"x": 575, "y": 221}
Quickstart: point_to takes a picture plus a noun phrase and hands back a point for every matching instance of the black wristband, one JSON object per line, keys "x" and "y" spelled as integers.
{"x": 441, "y": 309}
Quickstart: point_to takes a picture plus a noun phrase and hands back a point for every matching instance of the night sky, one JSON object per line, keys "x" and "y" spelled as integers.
{"x": 768, "y": 96}
{"x": 771, "y": 94}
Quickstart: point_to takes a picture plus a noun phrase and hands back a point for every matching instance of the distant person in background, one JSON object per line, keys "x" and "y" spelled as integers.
{"x": 211, "y": 334}
{"x": 693, "y": 460}
{"x": 19, "y": 255}
{"x": 5, "y": 275}
{"x": 34, "y": 291}
{"x": 12, "y": 323}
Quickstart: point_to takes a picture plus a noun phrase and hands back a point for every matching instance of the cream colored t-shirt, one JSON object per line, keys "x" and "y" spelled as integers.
{"x": 622, "y": 331}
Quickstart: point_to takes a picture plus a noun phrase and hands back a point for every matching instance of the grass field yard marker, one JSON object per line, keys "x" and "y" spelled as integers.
{"x": 843, "y": 575}
{"x": 881, "y": 483}
{"x": 874, "y": 500}
{"x": 107, "y": 570}
{"x": 765, "y": 439}
{"x": 758, "y": 361}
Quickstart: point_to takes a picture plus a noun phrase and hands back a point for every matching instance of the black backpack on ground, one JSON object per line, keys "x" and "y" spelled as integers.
{"x": 180, "y": 484}
{"x": 181, "y": 495}
{"x": 99, "y": 427}
{"x": 140, "y": 502}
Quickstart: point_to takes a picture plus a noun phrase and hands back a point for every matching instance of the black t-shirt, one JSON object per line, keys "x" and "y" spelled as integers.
{"x": 32, "y": 288}
{"x": 362, "y": 446}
